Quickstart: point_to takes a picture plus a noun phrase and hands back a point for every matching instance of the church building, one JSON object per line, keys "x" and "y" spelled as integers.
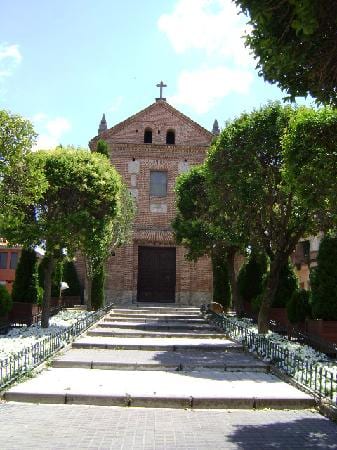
{"x": 150, "y": 149}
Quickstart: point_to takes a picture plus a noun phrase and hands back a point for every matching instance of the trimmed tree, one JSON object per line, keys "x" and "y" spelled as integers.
{"x": 324, "y": 280}
{"x": 26, "y": 283}
{"x": 294, "y": 44}
{"x": 250, "y": 278}
{"x": 221, "y": 286}
{"x": 5, "y": 301}
{"x": 287, "y": 286}
{"x": 71, "y": 278}
{"x": 197, "y": 227}
{"x": 250, "y": 185}
{"x": 98, "y": 281}
{"x": 78, "y": 194}
{"x": 298, "y": 307}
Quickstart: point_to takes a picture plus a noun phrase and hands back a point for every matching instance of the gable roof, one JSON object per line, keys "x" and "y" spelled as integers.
{"x": 161, "y": 103}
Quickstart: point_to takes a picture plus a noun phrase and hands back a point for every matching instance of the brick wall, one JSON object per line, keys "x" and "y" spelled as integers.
{"x": 134, "y": 160}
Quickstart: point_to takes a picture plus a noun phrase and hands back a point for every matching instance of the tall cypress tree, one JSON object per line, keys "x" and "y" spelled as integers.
{"x": 221, "y": 286}
{"x": 324, "y": 281}
{"x": 70, "y": 277}
{"x": 250, "y": 278}
{"x": 26, "y": 284}
{"x": 97, "y": 288}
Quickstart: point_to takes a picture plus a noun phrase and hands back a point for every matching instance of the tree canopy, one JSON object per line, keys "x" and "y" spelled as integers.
{"x": 248, "y": 177}
{"x": 294, "y": 42}
{"x": 78, "y": 194}
{"x": 198, "y": 228}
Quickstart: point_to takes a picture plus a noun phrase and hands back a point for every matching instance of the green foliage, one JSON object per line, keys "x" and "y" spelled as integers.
{"x": 5, "y": 301}
{"x": 298, "y": 307}
{"x": 310, "y": 148}
{"x": 97, "y": 288}
{"x": 294, "y": 44}
{"x": 102, "y": 148}
{"x": 79, "y": 191}
{"x": 56, "y": 278}
{"x": 16, "y": 139}
{"x": 250, "y": 278}
{"x": 323, "y": 280}
{"x": 193, "y": 225}
{"x": 221, "y": 286}
{"x": 70, "y": 277}
{"x": 250, "y": 185}
{"x": 287, "y": 285}
{"x": 26, "y": 283}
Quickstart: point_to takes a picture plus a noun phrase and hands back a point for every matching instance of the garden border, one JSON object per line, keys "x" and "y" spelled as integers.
{"x": 319, "y": 381}
{"x": 30, "y": 357}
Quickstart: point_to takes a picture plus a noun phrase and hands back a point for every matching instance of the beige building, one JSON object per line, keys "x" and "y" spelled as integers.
{"x": 149, "y": 150}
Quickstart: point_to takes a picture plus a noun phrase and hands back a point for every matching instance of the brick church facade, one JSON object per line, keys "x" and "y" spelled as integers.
{"x": 150, "y": 150}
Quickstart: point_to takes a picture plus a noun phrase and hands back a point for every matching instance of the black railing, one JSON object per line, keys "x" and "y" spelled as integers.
{"x": 25, "y": 360}
{"x": 320, "y": 377}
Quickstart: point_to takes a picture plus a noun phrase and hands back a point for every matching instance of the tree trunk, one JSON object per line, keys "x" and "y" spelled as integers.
{"x": 47, "y": 292}
{"x": 236, "y": 298}
{"x": 268, "y": 295}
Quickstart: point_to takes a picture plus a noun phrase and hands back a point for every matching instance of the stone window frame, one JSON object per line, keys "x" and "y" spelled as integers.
{"x": 160, "y": 194}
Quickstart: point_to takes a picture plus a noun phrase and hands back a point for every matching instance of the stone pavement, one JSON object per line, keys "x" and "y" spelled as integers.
{"x": 93, "y": 395}
{"x": 50, "y": 427}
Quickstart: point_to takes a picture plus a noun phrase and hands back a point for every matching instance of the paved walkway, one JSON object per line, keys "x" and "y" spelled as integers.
{"x": 169, "y": 359}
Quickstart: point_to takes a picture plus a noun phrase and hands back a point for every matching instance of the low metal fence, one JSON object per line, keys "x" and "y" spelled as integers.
{"x": 318, "y": 377}
{"x": 25, "y": 360}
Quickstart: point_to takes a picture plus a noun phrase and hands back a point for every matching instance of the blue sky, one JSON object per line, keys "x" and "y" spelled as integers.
{"x": 65, "y": 62}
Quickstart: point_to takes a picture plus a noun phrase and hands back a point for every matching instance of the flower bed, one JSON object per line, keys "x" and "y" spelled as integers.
{"x": 19, "y": 338}
{"x": 308, "y": 367}
{"x": 24, "y": 348}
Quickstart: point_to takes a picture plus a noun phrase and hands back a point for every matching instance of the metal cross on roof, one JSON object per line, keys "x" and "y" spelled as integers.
{"x": 161, "y": 85}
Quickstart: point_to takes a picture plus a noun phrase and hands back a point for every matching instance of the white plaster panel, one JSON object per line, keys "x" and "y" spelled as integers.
{"x": 183, "y": 166}
{"x": 133, "y": 180}
{"x": 158, "y": 208}
{"x": 133, "y": 166}
{"x": 134, "y": 193}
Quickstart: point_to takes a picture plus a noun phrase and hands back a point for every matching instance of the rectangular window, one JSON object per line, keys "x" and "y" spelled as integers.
{"x": 158, "y": 183}
{"x": 14, "y": 261}
{"x": 3, "y": 260}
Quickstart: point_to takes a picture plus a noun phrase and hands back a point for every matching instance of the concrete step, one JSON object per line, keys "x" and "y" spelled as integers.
{"x": 130, "y": 332}
{"x": 205, "y": 388}
{"x": 182, "y": 360}
{"x": 163, "y": 326}
{"x": 158, "y": 316}
{"x": 157, "y": 344}
{"x": 158, "y": 309}
{"x": 154, "y": 319}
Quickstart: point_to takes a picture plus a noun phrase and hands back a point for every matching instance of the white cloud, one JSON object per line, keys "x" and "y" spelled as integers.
{"x": 50, "y": 131}
{"x": 202, "y": 88}
{"x": 210, "y": 25}
{"x": 10, "y": 58}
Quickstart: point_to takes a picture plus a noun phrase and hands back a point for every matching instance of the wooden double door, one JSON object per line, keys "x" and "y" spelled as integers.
{"x": 156, "y": 274}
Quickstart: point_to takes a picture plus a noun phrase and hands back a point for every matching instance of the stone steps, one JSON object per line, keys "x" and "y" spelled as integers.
{"x": 156, "y": 344}
{"x": 181, "y": 360}
{"x": 115, "y": 332}
{"x": 159, "y": 325}
{"x": 129, "y": 362}
{"x": 205, "y": 388}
